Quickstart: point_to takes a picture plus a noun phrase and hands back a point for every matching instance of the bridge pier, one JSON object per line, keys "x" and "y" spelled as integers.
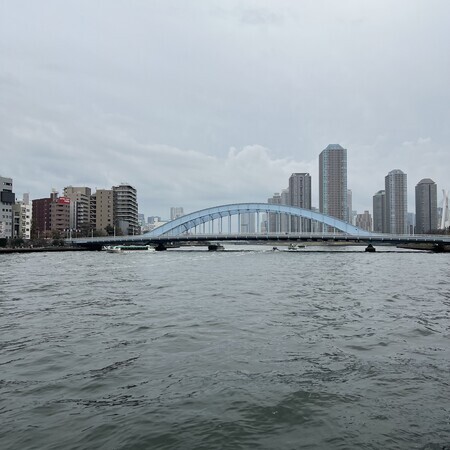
{"x": 160, "y": 248}
{"x": 370, "y": 248}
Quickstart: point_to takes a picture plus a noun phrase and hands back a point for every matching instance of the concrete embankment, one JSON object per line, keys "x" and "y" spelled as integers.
{"x": 42, "y": 249}
{"x": 439, "y": 248}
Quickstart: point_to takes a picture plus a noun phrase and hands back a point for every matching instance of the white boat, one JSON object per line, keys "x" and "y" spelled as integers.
{"x": 127, "y": 248}
{"x": 295, "y": 247}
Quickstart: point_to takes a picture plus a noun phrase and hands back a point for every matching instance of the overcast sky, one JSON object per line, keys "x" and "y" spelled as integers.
{"x": 202, "y": 103}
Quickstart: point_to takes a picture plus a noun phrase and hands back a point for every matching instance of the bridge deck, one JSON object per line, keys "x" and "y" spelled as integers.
{"x": 268, "y": 237}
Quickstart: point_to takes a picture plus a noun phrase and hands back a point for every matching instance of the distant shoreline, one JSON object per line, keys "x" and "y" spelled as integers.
{"x": 42, "y": 249}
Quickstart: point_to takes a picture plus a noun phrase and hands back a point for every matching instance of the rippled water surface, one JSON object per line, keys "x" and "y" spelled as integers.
{"x": 242, "y": 349}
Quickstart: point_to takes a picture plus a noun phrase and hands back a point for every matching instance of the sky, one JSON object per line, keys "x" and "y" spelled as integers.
{"x": 200, "y": 103}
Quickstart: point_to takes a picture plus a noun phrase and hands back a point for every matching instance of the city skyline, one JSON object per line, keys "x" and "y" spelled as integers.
{"x": 240, "y": 96}
{"x": 116, "y": 210}
{"x": 289, "y": 197}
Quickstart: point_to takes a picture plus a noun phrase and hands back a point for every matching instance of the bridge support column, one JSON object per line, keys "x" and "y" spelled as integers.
{"x": 370, "y": 248}
{"x": 160, "y": 248}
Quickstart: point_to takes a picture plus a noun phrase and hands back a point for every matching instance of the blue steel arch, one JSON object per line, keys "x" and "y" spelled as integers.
{"x": 189, "y": 221}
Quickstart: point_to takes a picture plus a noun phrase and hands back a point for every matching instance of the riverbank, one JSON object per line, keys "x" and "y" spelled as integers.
{"x": 7, "y": 250}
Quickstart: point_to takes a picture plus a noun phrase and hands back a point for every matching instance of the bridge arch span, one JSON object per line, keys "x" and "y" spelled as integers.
{"x": 185, "y": 223}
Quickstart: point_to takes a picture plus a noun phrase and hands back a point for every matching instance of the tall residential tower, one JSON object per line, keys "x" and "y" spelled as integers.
{"x": 333, "y": 182}
{"x": 379, "y": 212}
{"x": 426, "y": 206}
{"x": 396, "y": 202}
{"x": 300, "y": 196}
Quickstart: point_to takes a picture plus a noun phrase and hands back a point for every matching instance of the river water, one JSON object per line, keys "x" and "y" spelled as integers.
{"x": 231, "y": 350}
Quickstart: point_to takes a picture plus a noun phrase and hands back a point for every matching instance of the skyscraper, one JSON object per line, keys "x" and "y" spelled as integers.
{"x": 300, "y": 196}
{"x": 396, "y": 202}
{"x": 349, "y": 206}
{"x": 333, "y": 181}
{"x": 175, "y": 212}
{"x": 379, "y": 212}
{"x": 426, "y": 206}
{"x": 364, "y": 221}
{"x": 274, "y": 219}
{"x": 284, "y": 225}
{"x": 247, "y": 223}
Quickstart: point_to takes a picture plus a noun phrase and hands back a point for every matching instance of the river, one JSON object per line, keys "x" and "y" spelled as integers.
{"x": 232, "y": 350}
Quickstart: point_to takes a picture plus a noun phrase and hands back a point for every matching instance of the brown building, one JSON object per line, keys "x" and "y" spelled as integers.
{"x": 50, "y": 215}
{"x": 102, "y": 209}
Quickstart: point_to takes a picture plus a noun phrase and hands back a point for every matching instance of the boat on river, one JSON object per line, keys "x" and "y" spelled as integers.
{"x": 295, "y": 247}
{"x": 127, "y": 248}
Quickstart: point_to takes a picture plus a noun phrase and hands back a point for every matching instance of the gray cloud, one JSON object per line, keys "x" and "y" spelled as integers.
{"x": 202, "y": 103}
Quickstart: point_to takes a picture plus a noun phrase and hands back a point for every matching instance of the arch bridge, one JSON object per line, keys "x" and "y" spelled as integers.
{"x": 197, "y": 220}
{"x": 301, "y": 224}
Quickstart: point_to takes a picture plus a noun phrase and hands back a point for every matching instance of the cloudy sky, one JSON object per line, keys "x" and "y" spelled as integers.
{"x": 205, "y": 102}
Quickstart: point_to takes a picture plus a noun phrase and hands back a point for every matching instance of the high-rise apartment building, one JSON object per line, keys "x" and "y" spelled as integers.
{"x": 300, "y": 196}
{"x": 410, "y": 222}
{"x": 247, "y": 223}
{"x": 102, "y": 210}
{"x": 175, "y": 212}
{"x": 285, "y": 218}
{"x": 80, "y": 208}
{"x": 141, "y": 219}
{"x": 274, "y": 219}
{"x": 7, "y": 200}
{"x": 364, "y": 221}
{"x": 426, "y": 206}
{"x": 349, "y": 206}
{"x": 126, "y": 209}
{"x": 444, "y": 216}
{"x": 333, "y": 182}
{"x": 396, "y": 202}
{"x": 379, "y": 212}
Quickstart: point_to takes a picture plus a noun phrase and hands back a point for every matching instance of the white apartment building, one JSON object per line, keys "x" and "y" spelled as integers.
{"x": 22, "y": 212}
